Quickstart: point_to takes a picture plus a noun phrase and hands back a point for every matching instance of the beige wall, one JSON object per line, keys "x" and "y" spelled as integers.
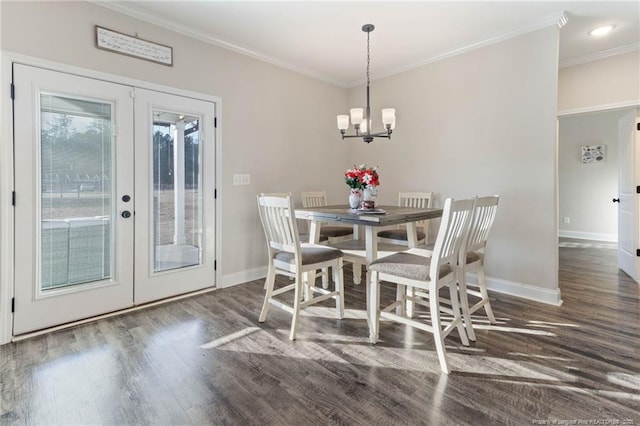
{"x": 607, "y": 82}
{"x": 478, "y": 123}
{"x": 277, "y": 125}
{"x": 482, "y": 123}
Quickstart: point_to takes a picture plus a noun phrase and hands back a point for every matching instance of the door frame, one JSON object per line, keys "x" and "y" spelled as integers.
{"x": 597, "y": 108}
{"x": 7, "y": 236}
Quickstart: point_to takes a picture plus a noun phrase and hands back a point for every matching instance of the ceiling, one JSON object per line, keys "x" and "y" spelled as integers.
{"x": 324, "y": 38}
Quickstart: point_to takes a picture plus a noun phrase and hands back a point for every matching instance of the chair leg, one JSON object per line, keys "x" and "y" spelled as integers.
{"x": 482, "y": 283}
{"x": 401, "y": 295}
{"x": 436, "y": 324}
{"x": 268, "y": 283}
{"x": 338, "y": 279}
{"x": 457, "y": 317}
{"x": 325, "y": 278}
{"x": 296, "y": 306}
{"x": 373, "y": 307}
{"x": 357, "y": 273}
{"x": 464, "y": 303}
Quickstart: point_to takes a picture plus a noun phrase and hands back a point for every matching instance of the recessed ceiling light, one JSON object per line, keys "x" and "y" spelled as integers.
{"x": 601, "y": 31}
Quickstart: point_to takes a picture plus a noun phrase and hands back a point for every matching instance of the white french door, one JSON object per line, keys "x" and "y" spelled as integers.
{"x": 109, "y": 212}
{"x": 174, "y": 192}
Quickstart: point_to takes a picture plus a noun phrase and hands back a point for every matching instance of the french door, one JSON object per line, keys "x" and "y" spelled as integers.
{"x": 110, "y": 212}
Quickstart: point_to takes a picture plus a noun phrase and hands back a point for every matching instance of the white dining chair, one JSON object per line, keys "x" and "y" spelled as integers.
{"x": 333, "y": 233}
{"x": 289, "y": 257}
{"x": 398, "y": 235}
{"x": 471, "y": 259}
{"x": 425, "y": 276}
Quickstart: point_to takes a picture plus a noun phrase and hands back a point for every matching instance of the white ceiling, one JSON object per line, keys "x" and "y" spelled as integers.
{"x": 324, "y": 38}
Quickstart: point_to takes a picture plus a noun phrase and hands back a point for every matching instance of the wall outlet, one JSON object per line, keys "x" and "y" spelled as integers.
{"x": 566, "y": 220}
{"x": 243, "y": 179}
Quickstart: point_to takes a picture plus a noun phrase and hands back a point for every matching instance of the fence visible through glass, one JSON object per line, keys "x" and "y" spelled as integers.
{"x": 177, "y": 202}
{"x": 76, "y": 181}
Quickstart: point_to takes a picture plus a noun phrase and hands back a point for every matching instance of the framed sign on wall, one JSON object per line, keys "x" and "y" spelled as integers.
{"x": 114, "y": 41}
{"x": 594, "y": 153}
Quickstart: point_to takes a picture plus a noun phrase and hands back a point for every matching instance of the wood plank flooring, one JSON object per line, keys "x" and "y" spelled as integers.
{"x": 206, "y": 360}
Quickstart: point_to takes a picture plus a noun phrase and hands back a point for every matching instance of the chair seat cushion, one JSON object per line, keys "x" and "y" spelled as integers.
{"x": 304, "y": 237}
{"x": 399, "y": 234}
{"x": 311, "y": 253}
{"x": 336, "y": 231}
{"x": 407, "y": 265}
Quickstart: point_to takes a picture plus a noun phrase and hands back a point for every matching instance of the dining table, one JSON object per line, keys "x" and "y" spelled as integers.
{"x": 372, "y": 220}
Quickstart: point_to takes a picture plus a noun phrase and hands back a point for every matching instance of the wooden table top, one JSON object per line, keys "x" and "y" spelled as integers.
{"x": 393, "y": 215}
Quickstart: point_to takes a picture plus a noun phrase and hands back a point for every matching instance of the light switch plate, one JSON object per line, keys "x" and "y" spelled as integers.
{"x": 241, "y": 179}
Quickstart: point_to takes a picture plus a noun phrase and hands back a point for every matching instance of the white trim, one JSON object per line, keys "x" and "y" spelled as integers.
{"x": 558, "y": 19}
{"x": 6, "y": 166}
{"x": 111, "y": 314}
{"x": 6, "y": 209}
{"x": 612, "y": 238}
{"x": 122, "y": 7}
{"x": 525, "y": 291}
{"x": 242, "y": 277}
{"x": 565, "y": 63}
{"x": 600, "y": 108}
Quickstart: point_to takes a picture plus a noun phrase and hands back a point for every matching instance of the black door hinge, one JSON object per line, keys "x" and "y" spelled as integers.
{"x": 215, "y": 193}
{"x": 215, "y": 265}
{"x": 13, "y": 91}
{"x": 638, "y": 252}
{"x": 638, "y": 189}
{"x": 13, "y": 198}
{"x": 638, "y": 126}
{"x": 215, "y": 122}
{"x": 13, "y": 304}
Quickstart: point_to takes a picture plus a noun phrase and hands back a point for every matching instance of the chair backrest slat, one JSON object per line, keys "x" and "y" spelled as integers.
{"x": 484, "y": 215}
{"x": 278, "y": 221}
{"x": 314, "y": 199}
{"x": 454, "y": 228}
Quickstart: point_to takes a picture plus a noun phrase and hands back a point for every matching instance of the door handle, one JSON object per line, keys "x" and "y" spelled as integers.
{"x": 616, "y": 200}
{"x": 126, "y": 214}
{"x": 126, "y": 198}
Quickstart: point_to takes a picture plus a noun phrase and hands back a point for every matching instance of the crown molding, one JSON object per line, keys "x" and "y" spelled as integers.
{"x": 559, "y": 19}
{"x": 125, "y": 9}
{"x": 633, "y": 47}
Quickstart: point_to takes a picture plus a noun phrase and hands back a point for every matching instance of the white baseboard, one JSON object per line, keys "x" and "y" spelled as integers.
{"x": 525, "y": 291}
{"x": 612, "y": 238}
{"x": 243, "y": 276}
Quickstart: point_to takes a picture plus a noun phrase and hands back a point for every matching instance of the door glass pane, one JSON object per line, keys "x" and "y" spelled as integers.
{"x": 75, "y": 191}
{"x": 177, "y": 206}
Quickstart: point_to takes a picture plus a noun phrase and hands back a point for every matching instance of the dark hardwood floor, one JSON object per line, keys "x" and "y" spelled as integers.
{"x": 206, "y": 360}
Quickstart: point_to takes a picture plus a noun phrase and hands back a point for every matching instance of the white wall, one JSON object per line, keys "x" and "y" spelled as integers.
{"x": 482, "y": 123}
{"x": 606, "y": 83}
{"x": 586, "y": 190}
{"x": 277, "y": 125}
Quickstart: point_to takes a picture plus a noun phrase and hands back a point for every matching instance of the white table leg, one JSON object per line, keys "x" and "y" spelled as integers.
{"x": 412, "y": 240}
{"x": 314, "y": 238}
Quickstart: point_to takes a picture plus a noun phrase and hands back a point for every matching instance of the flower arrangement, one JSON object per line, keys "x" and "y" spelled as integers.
{"x": 362, "y": 176}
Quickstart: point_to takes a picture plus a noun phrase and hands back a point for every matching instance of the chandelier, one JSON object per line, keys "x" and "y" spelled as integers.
{"x": 360, "y": 119}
